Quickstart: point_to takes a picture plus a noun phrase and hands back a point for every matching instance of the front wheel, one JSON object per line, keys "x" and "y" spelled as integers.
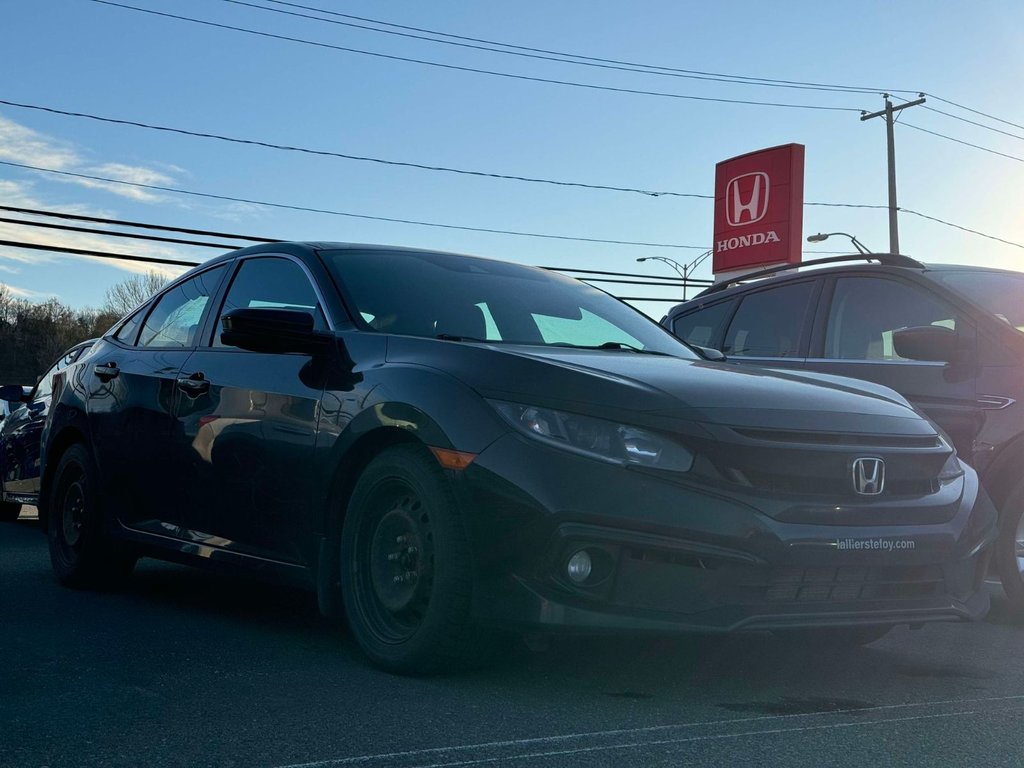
{"x": 405, "y": 567}
{"x": 80, "y": 552}
{"x": 1009, "y": 549}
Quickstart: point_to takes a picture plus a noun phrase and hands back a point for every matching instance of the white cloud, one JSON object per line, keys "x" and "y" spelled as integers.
{"x": 23, "y": 145}
{"x": 24, "y": 293}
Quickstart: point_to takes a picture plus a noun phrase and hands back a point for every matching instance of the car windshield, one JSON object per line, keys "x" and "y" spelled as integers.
{"x": 1001, "y": 293}
{"x": 463, "y": 298}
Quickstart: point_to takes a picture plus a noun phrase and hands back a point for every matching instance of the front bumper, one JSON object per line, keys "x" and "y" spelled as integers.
{"x": 671, "y": 557}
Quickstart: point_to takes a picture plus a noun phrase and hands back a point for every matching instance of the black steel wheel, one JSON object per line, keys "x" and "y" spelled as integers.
{"x": 80, "y": 552}
{"x": 405, "y": 567}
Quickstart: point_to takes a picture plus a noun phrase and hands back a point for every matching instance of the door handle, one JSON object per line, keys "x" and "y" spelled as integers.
{"x": 106, "y": 371}
{"x": 194, "y": 385}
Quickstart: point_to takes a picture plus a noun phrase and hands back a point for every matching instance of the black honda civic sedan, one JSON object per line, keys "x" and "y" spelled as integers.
{"x": 448, "y": 448}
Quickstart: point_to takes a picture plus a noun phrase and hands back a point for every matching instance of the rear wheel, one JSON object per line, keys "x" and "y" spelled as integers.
{"x": 80, "y": 552}
{"x": 9, "y": 511}
{"x": 1009, "y": 553}
{"x": 405, "y": 567}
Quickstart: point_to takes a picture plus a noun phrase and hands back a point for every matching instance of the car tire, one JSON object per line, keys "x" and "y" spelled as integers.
{"x": 1009, "y": 561}
{"x": 836, "y": 637}
{"x": 81, "y": 554}
{"x": 9, "y": 511}
{"x": 406, "y": 572}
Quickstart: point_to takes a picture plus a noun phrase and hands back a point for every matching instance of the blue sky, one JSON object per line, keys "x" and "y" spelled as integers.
{"x": 82, "y": 56}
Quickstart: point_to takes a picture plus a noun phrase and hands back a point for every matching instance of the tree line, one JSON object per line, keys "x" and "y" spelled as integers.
{"x": 34, "y": 334}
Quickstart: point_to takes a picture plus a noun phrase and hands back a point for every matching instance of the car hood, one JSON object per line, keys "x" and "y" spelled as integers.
{"x": 655, "y": 388}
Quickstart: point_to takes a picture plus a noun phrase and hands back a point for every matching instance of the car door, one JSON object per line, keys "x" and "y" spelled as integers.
{"x": 23, "y": 431}
{"x": 771, "y": 325}
{"x": 855, "y": 338}
{"x": 131, "y": 385}
{"x": 245, "y": 424}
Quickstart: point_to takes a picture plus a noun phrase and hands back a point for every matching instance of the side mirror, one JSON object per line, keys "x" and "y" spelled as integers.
{"x": 709, "y": 353}
{"x": 272, "y": 330}
{"x": 927, "y": 342}
{"x": 13, "y": 393}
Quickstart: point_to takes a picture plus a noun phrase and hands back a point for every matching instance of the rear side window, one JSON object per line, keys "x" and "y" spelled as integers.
{"x": 271, "y": 283}
{"x": 768, "y": 323}
{"x": 702, "y": 327}
{"x": 174, "y": 321}
{"x": 867, "y": 311}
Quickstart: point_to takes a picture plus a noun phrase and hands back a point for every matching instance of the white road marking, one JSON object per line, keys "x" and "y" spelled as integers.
{"x": 455, "y": 749}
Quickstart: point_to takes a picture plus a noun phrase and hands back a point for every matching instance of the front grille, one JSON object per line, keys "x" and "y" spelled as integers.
{"x": 837, "y": 438}
{"x": 849, "y": 583}
{"x": 835, "y": 485}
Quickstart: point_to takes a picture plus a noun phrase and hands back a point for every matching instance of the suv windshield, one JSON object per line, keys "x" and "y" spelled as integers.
{"x": 1001, "y": 293}
{"x": 463, "y": 298}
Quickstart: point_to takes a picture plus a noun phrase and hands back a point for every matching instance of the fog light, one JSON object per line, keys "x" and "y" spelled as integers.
{"x": 579, "y": 566}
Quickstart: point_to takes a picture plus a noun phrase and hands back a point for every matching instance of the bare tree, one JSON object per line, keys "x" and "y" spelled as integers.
{"x": 128, "y": 294}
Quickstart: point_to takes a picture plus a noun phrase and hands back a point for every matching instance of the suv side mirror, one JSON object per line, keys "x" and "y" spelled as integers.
{"x": 13, "y": 393}
{"x": 927, "y": 342}
{"x": 272, "y": 330}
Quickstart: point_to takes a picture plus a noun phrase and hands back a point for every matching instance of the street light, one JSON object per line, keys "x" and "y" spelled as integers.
{"x": 683, "y": 270}
{"x": 821, "y": 237}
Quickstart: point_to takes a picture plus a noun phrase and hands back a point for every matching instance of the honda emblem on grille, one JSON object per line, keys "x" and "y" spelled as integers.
{"x": 868, "y": 476}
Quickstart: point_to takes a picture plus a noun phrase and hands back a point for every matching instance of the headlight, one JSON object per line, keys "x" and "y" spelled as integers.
{"x": 621, "y": 444}
{"x": 951, "y": 470}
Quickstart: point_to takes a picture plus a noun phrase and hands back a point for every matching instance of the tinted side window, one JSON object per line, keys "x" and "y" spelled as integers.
{"x": 175, "y": 319}
{"x": 768, "y": 323}
{"x": 129, "y": 330}
{"x": 271, "y": 283}
{"x": 867, "y": 310}
{"x": 702, "y": 326}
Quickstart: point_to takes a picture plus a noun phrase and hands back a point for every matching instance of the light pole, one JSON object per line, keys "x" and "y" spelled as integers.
{"x": 683, "y": 270}
{"x": 821, "y": 237}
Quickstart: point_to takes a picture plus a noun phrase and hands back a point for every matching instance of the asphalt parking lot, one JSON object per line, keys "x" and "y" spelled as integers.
{"x": 188, "y": 668}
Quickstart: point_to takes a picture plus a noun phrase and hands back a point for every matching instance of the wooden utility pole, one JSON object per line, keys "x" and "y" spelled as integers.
{"x": 888, "y": 112}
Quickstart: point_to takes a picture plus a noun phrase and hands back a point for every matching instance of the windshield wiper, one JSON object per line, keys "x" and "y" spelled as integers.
{"x": 451, "y": 337}
{"x": 613, "y": 345}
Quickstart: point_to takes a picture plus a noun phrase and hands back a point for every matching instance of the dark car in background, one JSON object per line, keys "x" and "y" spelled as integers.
{"x": 24, "y": 411}
{"x": 949, "y": 338}
{"x": 447, "y": 447}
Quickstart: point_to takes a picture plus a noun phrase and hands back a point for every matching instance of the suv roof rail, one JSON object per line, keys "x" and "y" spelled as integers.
{"x": 888, "y": 259}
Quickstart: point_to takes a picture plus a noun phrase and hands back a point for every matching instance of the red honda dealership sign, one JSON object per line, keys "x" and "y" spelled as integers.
{"x": 759, "y": 209}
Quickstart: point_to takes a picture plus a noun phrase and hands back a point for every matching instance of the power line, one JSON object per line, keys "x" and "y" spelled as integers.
{"x": 341, "y": 155}
{"x": 667, "y": 281}
{"x": 417, "y": 166}
{"x": 330, "y": 212}
{"x": 546, "y": 56}
{"x": 138, "y": 225}
{"x": 961, "y": 228}
{"x": 181, "y": 263}
{"x": 97, "y": 254}
{"x": 742, "y": 79}
{"x": 965, "y": 143}
{"x": 108, "y": 233}
{"x": 967, "y": 109}
{"x": 494, "y": 73}
{"x": 975, "y": 122}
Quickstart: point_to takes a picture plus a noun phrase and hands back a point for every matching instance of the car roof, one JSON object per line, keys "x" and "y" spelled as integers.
{"x": 717, "y": 294}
